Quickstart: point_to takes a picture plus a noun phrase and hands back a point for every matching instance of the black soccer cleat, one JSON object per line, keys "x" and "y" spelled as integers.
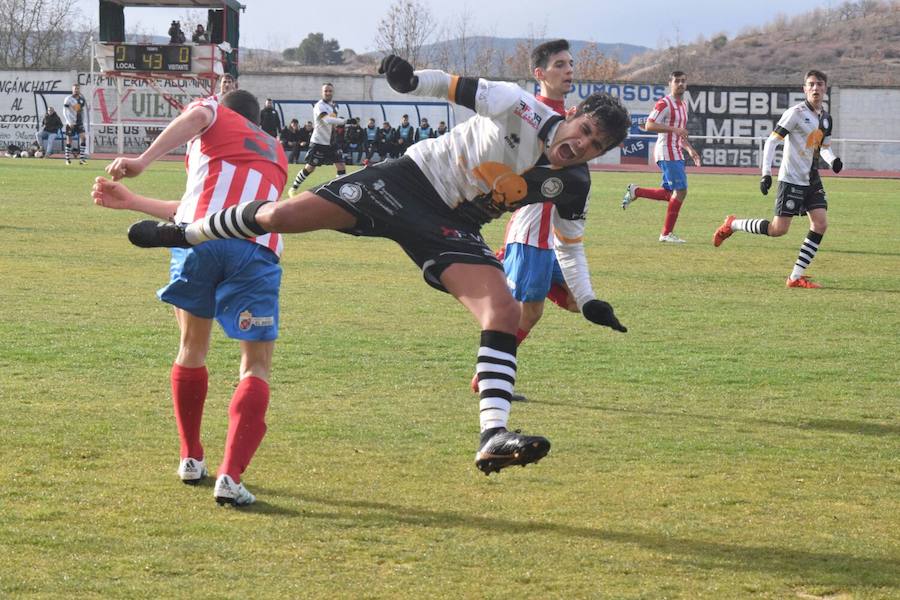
{"x": 509, "y": 448}
{"x": 156, "y": 234}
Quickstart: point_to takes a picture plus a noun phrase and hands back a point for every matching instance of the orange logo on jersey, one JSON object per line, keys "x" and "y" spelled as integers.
{"x": 814, "y": 139}
{"x": 506, "y": 187}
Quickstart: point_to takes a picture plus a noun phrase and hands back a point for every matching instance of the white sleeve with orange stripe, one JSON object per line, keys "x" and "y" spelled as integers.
{"x": 569, "y": 248}
{"x": 492, "y": 98}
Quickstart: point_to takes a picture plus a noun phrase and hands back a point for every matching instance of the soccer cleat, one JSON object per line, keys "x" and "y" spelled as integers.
{"x": 82, "y": 161}
{"x": 293, "y": 191}
{"x": 802, "y": 282}
{"x": 723, "y": 232}
{"x": 629, "y": 196}
{"x": 157, "y": 234}
{"x": 671, "y": 238}
{"x": 229, "y": 492}
{"x": 192, "y": 471}
{"x": 68, "y": 161}
{"x": 509, "y": 448}
{"x": 518, "y": 397}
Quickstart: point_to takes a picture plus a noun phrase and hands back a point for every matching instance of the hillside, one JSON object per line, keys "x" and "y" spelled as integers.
{"x": 856, "y": 44}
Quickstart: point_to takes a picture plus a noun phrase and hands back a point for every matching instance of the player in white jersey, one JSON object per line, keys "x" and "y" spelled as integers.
{"x": 321, "y": 151}
{"x": 529, "y": 261}
{"x": 75, "y": 113}
{"x": 806, "y": 129}
{"x": 230, "y": 160}
{"x": 433, "y": 201}
{"x": 669, "y": 120}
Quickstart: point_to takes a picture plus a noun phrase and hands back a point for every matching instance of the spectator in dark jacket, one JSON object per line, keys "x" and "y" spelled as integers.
{"x": 441, "y": 129}
{"x": 406, "y": 134}
{"x": 269, "y": 121}
{"x": 51, "y": 127}
{"x": 370, "y": 141}
{"x": 305, "y": 138}
{"x": 386, "y": 141}
{"x": 290, "y": 140}
{"x": 424, "y": 131}
{"x": 354, "y": 140}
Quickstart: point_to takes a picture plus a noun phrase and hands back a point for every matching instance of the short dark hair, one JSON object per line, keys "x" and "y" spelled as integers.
{"x": 675, "y": 74}
{"x": 295, "y": 121}
{"x": 817, "y": 74}
{"x": 243, "y": 103}
{"x": 609, "y": 114}
{"x": 542, "y": 52}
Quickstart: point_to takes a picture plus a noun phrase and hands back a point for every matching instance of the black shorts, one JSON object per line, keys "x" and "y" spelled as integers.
{"x": 76, "y": 129}
{"x": 323, "y": 155}
{"x": 394, "y": 200}
{"x": 797, "y": 200}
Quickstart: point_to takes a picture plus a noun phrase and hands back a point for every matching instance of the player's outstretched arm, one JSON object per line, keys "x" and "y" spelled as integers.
{"x": 180, "y": 131}
{"x": 110, "y": 194}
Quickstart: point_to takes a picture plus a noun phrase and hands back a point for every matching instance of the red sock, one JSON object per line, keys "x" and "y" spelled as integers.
{"x": 521, "y": 334}
{"x": 189, "y": 387}
{"x": 246, "y": 425}
{"x": 653, "y": 193}
{"x": 671, "y": 216}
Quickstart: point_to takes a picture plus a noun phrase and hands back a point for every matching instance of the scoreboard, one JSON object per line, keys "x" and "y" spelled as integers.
{"x": 139, "y": 57}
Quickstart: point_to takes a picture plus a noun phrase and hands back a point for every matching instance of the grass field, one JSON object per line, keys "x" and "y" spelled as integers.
{"x": 742, "y": 440}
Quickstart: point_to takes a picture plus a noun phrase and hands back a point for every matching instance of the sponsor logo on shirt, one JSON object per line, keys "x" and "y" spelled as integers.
{"x": 552, "y": 187}
{"x": 512, "y": 140}
{"x": 527, "y": 114}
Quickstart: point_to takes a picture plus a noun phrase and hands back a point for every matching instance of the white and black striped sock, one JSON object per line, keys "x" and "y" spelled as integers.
{"x": 757, "y": 226}
{"x": 68, "y": 151}
{"x": 82, "y": 151}
{"x": 807, "y": 253}
{"x": 235, "y": 222}
{"x": 300, "y": 178}
{"x": 496, "y": 370}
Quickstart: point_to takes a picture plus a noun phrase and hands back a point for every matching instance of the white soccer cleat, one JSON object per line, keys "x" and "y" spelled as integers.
{"x": 229, "y": 492}
{"x": 293, "y": 191}
{"x": 629, "y": 196}
{"x": 192, "y": 471}
{"x": 671, "y": 238}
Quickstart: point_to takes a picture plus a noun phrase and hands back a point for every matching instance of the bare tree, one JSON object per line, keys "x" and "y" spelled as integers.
{"x": 594, "y": 65}
{"x": 43, "y": 34}
{"x": 405, "y": 29}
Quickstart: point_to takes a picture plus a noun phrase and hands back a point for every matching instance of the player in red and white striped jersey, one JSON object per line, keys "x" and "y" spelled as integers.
{"x": 669, "y": 121}
{"x": 532, "y": 271}
{"x": 230, "y": 161}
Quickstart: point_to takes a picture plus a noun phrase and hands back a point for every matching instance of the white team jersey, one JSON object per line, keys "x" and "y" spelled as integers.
{"x": 73, "y": 109}
{"x": 504, "y": 138}
{"x": 806, "y": 132}
{"x": 671, "y": 112}
{"x": 321, "y": 130}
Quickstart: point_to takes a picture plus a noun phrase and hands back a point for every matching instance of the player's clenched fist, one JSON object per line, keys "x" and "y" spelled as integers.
{"x": 399, "y": 74}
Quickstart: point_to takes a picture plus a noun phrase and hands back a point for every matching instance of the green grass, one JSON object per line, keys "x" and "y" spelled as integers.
{"x": 740, "y": 441}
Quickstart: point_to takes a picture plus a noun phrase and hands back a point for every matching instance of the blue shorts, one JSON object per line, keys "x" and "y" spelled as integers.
{"x": 530, "y": 271}
{"x": 234, "y": 281}
{"x": 673, "y": 175}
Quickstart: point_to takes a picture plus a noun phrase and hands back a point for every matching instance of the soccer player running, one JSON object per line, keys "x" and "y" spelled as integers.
{"x": 321, "y": 152}
{"x": 74, "y": 110}
{"x": 529, "y": 261}
{"x": 433, "y": 201}
{"x": 229, "y": 160}
{"x": 669, "y": 121}
{"x": 807, "y": 127}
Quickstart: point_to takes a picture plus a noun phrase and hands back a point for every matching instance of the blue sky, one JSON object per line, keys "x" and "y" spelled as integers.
{"x": 276, "y": 24}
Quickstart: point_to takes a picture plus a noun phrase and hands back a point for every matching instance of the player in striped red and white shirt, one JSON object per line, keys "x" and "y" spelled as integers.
{"x": 669, "y": 120}
{"x": 529, "y": 261}
{"x": 229, "y": 161}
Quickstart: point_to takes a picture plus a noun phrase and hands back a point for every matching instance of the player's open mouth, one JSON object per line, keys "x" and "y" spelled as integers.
{"x": 565, "y": 152}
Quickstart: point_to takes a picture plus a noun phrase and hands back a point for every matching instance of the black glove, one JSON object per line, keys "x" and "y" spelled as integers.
{"x": 399, "y": 74}
{"x": 837, "y": 165}
{"x": 601, "y": 313}
{"x": 764, "y": 184}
